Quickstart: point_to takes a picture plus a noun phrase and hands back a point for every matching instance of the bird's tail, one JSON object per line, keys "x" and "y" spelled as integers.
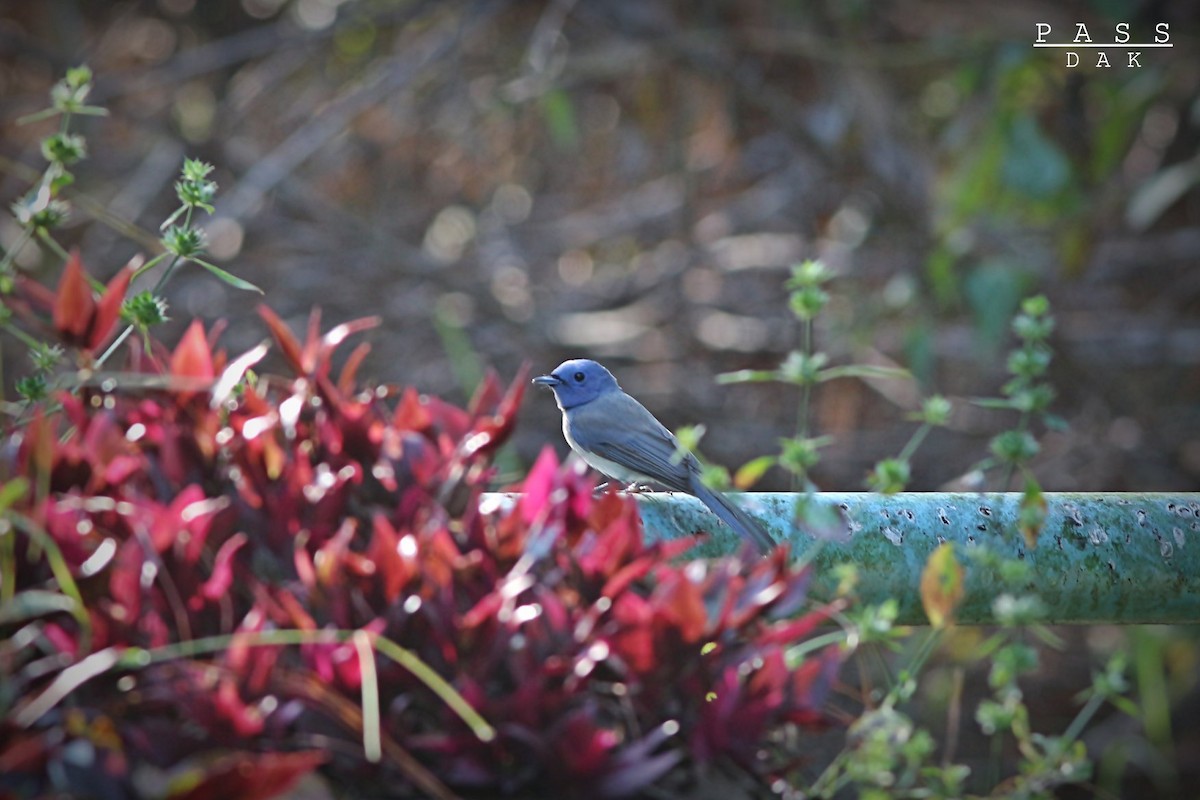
{"x": 733, "y": 516}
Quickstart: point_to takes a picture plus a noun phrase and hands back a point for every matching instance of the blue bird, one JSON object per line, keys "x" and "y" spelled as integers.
{"x": 618, "y": 437}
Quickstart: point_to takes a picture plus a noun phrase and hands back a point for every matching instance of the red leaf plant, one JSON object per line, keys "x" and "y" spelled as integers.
{"x": 195, "y": 516}
{"x": 77, "y": 317}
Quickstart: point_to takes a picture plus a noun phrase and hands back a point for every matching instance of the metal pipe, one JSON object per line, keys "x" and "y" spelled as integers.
{"x": 1100, "y": 557}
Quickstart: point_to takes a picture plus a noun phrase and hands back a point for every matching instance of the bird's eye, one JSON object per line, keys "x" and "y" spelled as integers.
{"x": 578, "y": 377}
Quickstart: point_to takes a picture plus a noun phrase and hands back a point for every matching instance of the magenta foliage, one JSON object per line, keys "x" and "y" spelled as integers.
{"x": 198, "y": 504}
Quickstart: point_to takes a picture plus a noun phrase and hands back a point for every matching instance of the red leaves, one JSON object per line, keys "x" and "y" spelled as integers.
{"x": 79, "y": 319}
{"x": 247, "y": 776}
{"x": 221, "y": 579}
{"x": 310, "y": 359}
{"x": 394, "y": 557}
{"x": 74, "y": 305}
{"x": 680, "y": 607}
{"x": 597, "y": 605}
{"x": 192, "y": 357}
{"x": 299, "y": 504}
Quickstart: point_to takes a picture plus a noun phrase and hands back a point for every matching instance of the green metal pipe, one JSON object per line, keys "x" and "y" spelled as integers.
{"x": 1100, "y": 557}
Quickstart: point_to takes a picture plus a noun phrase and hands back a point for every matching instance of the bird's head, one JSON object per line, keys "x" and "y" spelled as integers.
{"x": 578, "y": 381}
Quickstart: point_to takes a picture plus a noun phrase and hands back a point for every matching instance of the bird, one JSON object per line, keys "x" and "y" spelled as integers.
{"x": 617, "y": 436}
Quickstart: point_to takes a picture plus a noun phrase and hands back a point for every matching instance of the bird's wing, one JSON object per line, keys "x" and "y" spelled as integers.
{"x": 618, "y": 428}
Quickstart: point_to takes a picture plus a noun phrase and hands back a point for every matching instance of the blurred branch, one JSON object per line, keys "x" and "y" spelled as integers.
{"x": 386, "y": 77}
{"x": 709, "y": 54}
{"x": 651, "y": 200}
{"x": 880, "y": 55}
{"x": 546, "y": 56}
{"x": 1118, "y": 259}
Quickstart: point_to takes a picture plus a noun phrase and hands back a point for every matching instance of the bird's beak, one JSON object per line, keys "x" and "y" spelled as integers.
{"x": 547, "y": 380}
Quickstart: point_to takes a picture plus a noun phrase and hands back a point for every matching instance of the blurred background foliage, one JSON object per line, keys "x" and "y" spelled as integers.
{"x": 631, "y": 180}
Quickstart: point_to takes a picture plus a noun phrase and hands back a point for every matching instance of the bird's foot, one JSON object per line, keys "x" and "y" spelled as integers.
{"x": 621, "y": 486}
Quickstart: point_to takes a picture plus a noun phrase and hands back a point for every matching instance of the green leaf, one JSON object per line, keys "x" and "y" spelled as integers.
{"x": 890, "y": 475}
{"x": 1032, "y": 399}
{"x": 12, "y": 491}
{"x": 1017, "y": 610}
{"x": 861, "y": 371}
{"x": 1011, "y": 662}
{"x": 560, "y": 118}
{"x": 752, "y": 471}
{"x": 144, "y": 310}
{"x": 64, "y": 148}
{"x": 61, "y": 181}
{"x": 993, "y": 717}
{"x": 1055, "y": 423}
{"x": 935, "y": 411}
{"x": 993, "y": 291}
{"x": 748, "y": 376}
{"x": 184, "y": 241}
{"x": 1032, "y": 328}
{"x": 1030, "y": 361}
{"x": 78, "y": 77}
{"x": 714, "y": 476}
{"x": 1014, "y": 446}
{"x": 940, "y": 269}
{"x": 807, "y": 302}
{"x": 689, "y": 437}
{"x": 1001, "y": 403}
{"x": 229, "y": 277}
{"x": 1126, "y": 706}
{"x": 942, "y": 586}
{"x": 33, "y": 603}
{"x": 38, "y": 116}
{"x": 195, "y": 170}
{"x": 812, "y": 272}
{"x": 802, "y": 369}
{"x": 1036, "y": 306}
{"x": 800, "y": 455}
{"x": 1033, "y": 164}
{"x": 90, "y": 111}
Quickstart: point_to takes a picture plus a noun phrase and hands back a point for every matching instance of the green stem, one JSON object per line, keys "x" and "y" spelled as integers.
{"x": 45, "y": 236}
{"x": 1082, "y": 719}
{"x": 802, "y": 413}
{"x": 925, "y": 650}
{"x": 1022, "y": 427}
{"x": 806, "y": 395}
{"x": 100, "y": 662}
{"x": 149, "y": 265}
{"x": 913, "y": 443}
{"x": 796, "y": 653}
{"x": 22, "y": 336}
{"x": 993, "y": 767}
{"x": 158, "y": 287}
{"x": 372, "y": 737}
{"x": 112, "y": 348}
{"x": 61, "y": 572}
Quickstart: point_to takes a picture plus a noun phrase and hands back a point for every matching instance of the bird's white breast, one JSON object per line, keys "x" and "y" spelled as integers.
{"x": 610, "y": 468}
